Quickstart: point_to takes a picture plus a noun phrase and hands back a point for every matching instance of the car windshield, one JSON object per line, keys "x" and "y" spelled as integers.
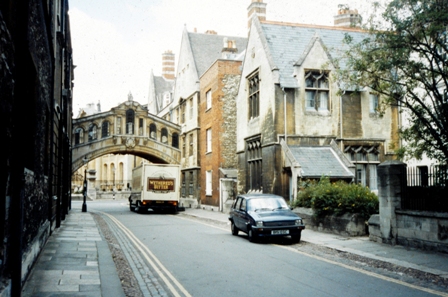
{"x": 271, "y": 203}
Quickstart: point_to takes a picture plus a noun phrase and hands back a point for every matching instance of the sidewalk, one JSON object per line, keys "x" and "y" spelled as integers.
{"x": 430, "y": 262}
{"x": 76, "y": 261}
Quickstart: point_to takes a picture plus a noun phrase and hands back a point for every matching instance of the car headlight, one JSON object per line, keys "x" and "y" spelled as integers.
{"x": 299, "y": 222}
{"x": 260, "y": 224}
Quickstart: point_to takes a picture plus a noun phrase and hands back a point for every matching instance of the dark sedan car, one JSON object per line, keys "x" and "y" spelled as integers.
{"x": 264, "y": 215}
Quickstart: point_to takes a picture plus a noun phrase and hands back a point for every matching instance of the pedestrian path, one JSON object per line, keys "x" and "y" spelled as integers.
{"x": 76, "y": 261}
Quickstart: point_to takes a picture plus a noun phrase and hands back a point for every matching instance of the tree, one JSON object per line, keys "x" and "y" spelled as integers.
{"x": 404, "y": 59}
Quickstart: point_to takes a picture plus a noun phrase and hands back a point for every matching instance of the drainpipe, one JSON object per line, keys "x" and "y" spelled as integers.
{"x": 340, "y": 121}
{"x": 284, "y": 110}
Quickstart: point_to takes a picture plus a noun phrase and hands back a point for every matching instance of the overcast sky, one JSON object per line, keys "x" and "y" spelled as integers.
{"x": 116, "y": 43}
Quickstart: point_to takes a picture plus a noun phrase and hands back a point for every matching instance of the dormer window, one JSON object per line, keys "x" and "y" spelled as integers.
{"x": 316, "y": 90}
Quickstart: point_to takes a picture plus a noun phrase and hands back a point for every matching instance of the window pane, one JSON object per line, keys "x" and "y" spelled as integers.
{"x": 323, "y": 101}
{"x": 373, "y": 103}
{"x": 323, "y": 82}
{"x": 361, "y": 174}
{"x": 310, "y": 99}
{"x": 373, "y": 183}
{"x": 309, "y": 82}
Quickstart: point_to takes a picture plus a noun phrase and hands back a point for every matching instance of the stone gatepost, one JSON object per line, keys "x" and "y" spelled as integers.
{"x": 391, "y": 182}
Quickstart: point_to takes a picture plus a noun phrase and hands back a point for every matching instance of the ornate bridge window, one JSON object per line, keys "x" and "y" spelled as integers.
{"x": 164, "y": 137}
{"x": 153, "y": 131}
{"x": 92, "y": 132}
{"x": 105, "y": 129}
{"x": 175, "y": 140}
{"x": 140, "y": 127}
{"x": 130, "y": 115}
{"x": 79, "y": 136}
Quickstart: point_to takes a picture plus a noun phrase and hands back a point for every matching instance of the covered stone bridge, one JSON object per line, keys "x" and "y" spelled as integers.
{"x": 125, "y": 129}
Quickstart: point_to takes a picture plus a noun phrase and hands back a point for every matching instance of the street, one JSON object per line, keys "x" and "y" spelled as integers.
{"x": 174, "y": 255}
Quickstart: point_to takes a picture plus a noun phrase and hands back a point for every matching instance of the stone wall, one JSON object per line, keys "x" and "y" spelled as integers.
{"x": 346, "y": 225}
{"x": 420, "y": 229}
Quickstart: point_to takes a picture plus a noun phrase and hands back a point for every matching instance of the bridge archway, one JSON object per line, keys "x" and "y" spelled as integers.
{"x": 125, "y": 129}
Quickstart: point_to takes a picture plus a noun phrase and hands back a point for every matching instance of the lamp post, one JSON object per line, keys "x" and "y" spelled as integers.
{"x": 113, "y": 170}
{"x": 113, "y": 187}
{"x": 84, "y": 192}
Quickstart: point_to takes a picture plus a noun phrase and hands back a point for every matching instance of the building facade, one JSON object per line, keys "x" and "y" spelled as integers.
{"x": 36, "y": 74}
{"x": 289, "y": 106}
{"x": 217, "y": 119}
{"x": 198, "y": 52}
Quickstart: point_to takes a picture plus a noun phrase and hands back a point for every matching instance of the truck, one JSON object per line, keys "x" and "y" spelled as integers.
{"x": 155, "y": 187}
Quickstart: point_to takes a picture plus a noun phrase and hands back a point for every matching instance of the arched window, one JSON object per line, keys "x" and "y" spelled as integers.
{"x": 175, "y": 140}
{"x": 130, "y": 114}
{"x": 79, "y": 136}
{"x": 120, "y": 172}
{"x": 92, "y": 132}
{"x": 104, "y": 175}
{"x": 105, "y": 129}
{"x": 153, "y": 131}
{"x": 164, "y": 137}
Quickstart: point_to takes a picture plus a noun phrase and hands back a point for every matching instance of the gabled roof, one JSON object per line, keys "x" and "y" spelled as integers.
{"x": 207, "y": 48}
{"x": 318, "y": 161}
{"x": 289, "y": 44}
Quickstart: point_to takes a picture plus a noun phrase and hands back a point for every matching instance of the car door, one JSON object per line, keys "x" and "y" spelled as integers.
{"x": 238, "y": 216}
{"x": 242, "y": 215}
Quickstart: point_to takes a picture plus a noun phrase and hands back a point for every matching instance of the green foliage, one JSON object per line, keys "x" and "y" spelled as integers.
{"x": 327, "y": 198}
{"x": 404, "y": 58}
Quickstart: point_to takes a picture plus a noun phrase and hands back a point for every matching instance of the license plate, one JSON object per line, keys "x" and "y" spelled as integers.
{"x": 279, "y": 232}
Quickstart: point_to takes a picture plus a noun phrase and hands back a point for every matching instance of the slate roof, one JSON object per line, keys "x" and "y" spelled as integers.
{"x": 207, "y": 48}
{"x": 290, "y": 43}
{"x": 317, "y": 161}
{"x": 161, "y": 85}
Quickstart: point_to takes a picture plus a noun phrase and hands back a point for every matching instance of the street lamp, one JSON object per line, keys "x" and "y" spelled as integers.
{"x": 113, "y": 170}
{"x": 84, "y": 192}
{"x": 113, "y": 187}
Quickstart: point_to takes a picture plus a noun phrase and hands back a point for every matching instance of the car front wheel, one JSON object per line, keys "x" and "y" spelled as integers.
{"x": 234, "y": 229}
{"x": 296, "y": 238}
{"x": 252, "y": 236}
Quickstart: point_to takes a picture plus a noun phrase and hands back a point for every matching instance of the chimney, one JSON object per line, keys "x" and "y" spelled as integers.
{"x": 168, "y": 65}
{"x": 229, "y": 49}
{"x": 256, "y": 8}
{"x": 347, "y": 17}
{"x": 211, "y": 32}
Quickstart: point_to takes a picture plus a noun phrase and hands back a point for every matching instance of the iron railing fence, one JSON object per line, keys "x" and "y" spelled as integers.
{"x": 426, "y": 188}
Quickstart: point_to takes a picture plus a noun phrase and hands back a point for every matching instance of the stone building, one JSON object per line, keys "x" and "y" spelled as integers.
{"x": 36, "y": 73}
{"x": 292, "y": 124}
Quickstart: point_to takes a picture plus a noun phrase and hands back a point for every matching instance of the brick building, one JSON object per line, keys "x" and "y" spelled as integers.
{"x": 217, "y": 119}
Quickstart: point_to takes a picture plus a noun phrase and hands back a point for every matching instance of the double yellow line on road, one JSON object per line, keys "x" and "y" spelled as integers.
{"x": 170, "y": 281}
